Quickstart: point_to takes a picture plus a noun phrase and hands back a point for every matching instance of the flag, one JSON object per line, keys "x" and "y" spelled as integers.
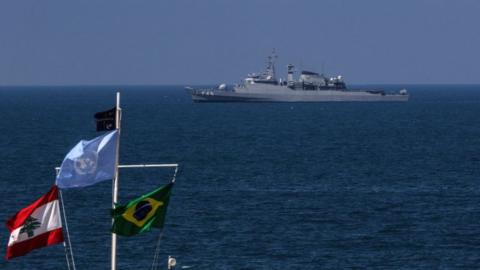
{"x": 89, "y": 162}
{"x": 35, "y": 226}
{"x": 143, "y": 213}
{"x": 106, "y": 120}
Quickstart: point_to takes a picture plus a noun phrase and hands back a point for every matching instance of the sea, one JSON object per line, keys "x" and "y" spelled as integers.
{"x": 260, "y": 185}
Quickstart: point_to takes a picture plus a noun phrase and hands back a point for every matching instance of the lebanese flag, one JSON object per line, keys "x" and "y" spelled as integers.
{"x": 35, "y": 226}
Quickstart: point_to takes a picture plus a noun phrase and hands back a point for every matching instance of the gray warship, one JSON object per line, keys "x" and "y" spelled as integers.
{"x": 310, "y": 87}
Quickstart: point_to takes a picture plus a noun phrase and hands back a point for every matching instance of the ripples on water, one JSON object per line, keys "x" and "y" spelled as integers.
{"x": 262, "y": 186}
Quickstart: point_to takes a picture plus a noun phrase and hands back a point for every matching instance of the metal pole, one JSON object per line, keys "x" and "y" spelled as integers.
{"x": 133, "y": 166}
{"x": 148, "y": 166}
{"x": 65, "y": 242}
{"x": 68, "y": 247}
{"x": 68, "y": 232}
{"x": 118, "y": 115}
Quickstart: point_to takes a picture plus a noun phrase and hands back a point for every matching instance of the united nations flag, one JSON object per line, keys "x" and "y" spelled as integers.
{"x": 89, "y": 162}
{"x": 143, "y": 213}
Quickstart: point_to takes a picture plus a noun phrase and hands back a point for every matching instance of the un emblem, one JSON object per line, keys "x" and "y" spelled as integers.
{"x": 86, "y": 163}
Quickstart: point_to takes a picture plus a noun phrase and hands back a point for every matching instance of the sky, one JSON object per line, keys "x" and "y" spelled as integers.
{"x": 187, "y": 42}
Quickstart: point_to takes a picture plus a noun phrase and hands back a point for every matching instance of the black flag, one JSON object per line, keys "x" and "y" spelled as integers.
{"x": 106, "y": 120}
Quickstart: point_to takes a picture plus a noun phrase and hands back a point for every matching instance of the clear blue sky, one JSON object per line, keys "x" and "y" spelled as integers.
{"x": 59, "y": 42}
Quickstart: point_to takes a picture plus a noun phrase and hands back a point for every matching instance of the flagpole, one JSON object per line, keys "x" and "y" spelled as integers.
{"x": 118, "y": 116}
{"x": 68, "y": 234}
{"x": 66, "y": 244}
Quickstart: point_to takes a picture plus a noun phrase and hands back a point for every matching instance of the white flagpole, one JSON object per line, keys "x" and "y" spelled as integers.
{"x": 118, "y": 115}
{"x": 68, "y": 233}
{"x": 67, "y": 244}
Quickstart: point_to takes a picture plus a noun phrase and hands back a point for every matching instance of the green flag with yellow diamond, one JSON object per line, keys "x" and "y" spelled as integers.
{"x": 143, "y": 213}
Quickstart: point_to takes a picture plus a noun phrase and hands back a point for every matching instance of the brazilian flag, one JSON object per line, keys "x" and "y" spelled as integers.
{"x": 140, "y": 214}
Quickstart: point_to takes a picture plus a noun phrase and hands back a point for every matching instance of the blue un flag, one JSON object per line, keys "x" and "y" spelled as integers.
{"x": 89, "y": 162}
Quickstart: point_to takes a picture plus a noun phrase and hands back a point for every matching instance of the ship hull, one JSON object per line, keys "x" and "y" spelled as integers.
{"x": 288, "y": 95}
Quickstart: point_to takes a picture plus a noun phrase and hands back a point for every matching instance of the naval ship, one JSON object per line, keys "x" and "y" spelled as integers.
{"x": 309, "y": 87}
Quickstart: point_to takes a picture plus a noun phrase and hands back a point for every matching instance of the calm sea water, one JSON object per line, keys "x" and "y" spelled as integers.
{"x": 262, "y": 186}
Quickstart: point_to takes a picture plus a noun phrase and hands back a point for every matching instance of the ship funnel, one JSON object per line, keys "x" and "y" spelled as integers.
{"x": 290, "y": 73}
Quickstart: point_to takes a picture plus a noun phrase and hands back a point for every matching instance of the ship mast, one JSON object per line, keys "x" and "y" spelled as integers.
{"x": 118, "y": 116}
{"x": 271, "y": 65}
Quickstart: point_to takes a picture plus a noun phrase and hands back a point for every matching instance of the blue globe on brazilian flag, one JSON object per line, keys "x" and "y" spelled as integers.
{"x": 143, "y": 213}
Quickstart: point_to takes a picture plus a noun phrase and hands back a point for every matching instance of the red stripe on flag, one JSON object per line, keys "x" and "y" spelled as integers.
{"x": 42, "y": 240}
{"x": 19, "y": 218}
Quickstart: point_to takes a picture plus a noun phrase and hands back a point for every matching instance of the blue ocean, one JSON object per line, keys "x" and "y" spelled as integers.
{"x": 261, "y": 186}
